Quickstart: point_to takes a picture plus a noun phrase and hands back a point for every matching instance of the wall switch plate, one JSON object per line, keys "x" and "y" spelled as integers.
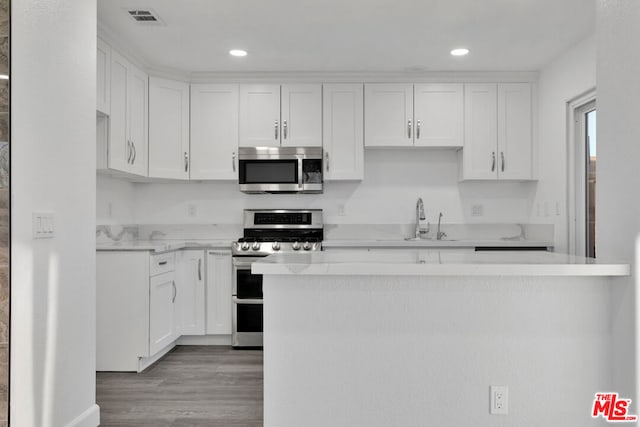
{"x": 499, "y": 400}
{"x": 341, "y": 210}
{"x": 477, "y": 210}
{"x": 43, "y": 225}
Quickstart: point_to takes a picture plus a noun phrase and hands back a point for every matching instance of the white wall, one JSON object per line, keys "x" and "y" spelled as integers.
{"x": 114, "y": 201}
{"x": 52, "y": 146}
{"x": 617, "y": 201}
{"x": 394, "y": 179}
{"x": 565, "y": 78}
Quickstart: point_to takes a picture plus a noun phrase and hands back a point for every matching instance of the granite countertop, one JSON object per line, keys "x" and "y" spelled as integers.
{"x": 411, "y": 262}
{"x": 163, "y": 245}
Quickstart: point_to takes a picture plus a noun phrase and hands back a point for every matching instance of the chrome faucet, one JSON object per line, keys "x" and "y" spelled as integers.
{"x": 420, "y": 216}
{"x": 440, "y": 234}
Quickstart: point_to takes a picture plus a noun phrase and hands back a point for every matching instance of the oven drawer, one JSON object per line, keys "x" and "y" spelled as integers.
{"x": 162, "y": 263}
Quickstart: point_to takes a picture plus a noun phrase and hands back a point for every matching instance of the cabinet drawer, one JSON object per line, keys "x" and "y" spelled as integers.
{"x": 162, "y": 263}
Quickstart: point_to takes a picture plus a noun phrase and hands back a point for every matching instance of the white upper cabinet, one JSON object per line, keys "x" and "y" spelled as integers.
{"x": 388, "y": 110}
{"x": 401, "y": 115}
{"x": 128, "y": 121}
{"x": 214, "y": 131}
{"x": 103, "y": 78}
{"x": 439, "y": 115}
{"x": 168, "y": 129}
{"x": 481, "y": 132}
{"x": 268, "y": 119}
{"x": 119, "y": 151}
{"x": 301, "y": 115}
{"x": 342, "y": 132}
{"x": 515, "y": 138}
{"x": 498, "y": 132}
{"x": 259, "y": 116}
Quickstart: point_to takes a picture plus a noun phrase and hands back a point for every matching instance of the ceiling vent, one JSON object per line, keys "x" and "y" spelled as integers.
{"x": 145, "y": 16}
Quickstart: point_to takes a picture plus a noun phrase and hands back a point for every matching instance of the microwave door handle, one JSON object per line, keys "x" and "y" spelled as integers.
{"x": 300, "y": 174}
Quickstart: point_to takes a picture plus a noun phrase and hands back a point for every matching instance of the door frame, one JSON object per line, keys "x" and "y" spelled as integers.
{"x": 576, "y": 191}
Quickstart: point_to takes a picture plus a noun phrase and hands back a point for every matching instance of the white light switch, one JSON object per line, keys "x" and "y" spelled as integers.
{"x": 43, "y": 225}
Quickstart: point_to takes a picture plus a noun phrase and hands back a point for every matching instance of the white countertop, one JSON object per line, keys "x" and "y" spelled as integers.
{"x": 411, "y": 262}
{"x": 431, "y": 243}
{"x": 163, "y": 245}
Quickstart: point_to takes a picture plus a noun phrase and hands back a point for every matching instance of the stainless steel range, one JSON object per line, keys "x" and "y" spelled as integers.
{"x": 266, "y": 232}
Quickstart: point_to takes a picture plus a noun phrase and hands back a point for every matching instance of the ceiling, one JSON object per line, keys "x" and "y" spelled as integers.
{"x": 350, "y": 35}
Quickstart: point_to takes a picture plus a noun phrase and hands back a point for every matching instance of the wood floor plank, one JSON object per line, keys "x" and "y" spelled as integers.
{"x": 191, "y": 386}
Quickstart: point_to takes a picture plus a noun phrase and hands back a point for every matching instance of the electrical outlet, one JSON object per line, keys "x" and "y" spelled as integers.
{"x": 499, "y": 400}
{"x": 477, "y": 210}
{"x": 192, "y": 210}
{"x": 341, "y": 210}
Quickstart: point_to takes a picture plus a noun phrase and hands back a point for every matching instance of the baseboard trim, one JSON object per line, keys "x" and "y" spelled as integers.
{"x": 204, "y": 340}
{"x": 89, "y": 418}
{"x": 145, "y": 362}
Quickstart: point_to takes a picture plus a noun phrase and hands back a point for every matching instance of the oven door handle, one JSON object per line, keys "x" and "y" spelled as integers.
{"x": 237, "y": 300}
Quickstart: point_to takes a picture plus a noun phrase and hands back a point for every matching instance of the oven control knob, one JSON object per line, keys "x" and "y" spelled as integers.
{"x": 276, "y": 246}
{"x": 244, "y": 246}
{"x": 295, "y": 246}
{"x": 255, "y": 246}
{"x": 306, "y": 246}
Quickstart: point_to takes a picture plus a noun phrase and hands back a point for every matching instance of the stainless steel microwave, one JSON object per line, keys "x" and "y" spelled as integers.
{"x": 280, "y": 169}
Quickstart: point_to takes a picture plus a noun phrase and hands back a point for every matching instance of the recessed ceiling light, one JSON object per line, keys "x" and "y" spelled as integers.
{"x": 459, "y": 52}
{"x": 237, "y": 52}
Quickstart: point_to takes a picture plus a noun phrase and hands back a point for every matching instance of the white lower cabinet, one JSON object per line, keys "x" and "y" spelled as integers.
{"x": 191, "y": 292}
{"x": 162, "y": 311}
{"x": 145, "y": 302}
{"x": 136, "y": 309}
{"x": 122, "y": 310}
{"x": 218, "y": 292}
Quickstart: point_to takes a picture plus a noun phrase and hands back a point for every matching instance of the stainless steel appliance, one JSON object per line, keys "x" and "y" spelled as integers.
{"x": 266, "y": 232}
{"x": 280, "y": 169}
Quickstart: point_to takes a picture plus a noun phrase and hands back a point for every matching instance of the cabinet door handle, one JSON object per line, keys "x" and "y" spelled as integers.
{"x": 162, "y": 263}
{"x": 135, "y": 152}
{"x": 130, "y": 152}
{"x": 175, "y": 291}
{"x": 233, "y": 161}
{"x": 493, "y": 161}
{"x": 284, "y": 129}
{"x": 418, "y": 129}
{"x": 409, "y": 129}
{"x": 186, "y": 161}
{"x": 502, "y": 158}
{"x": 326, "y": 159}
{"x": 275, "y": 125}
{"x": 199, "y": 268}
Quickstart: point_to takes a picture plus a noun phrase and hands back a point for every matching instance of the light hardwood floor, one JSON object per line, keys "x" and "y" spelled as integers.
{"x": 190, "y": 386}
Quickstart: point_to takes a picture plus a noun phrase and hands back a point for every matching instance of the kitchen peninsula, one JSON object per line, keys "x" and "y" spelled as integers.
{"x": 417, "y": 337}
